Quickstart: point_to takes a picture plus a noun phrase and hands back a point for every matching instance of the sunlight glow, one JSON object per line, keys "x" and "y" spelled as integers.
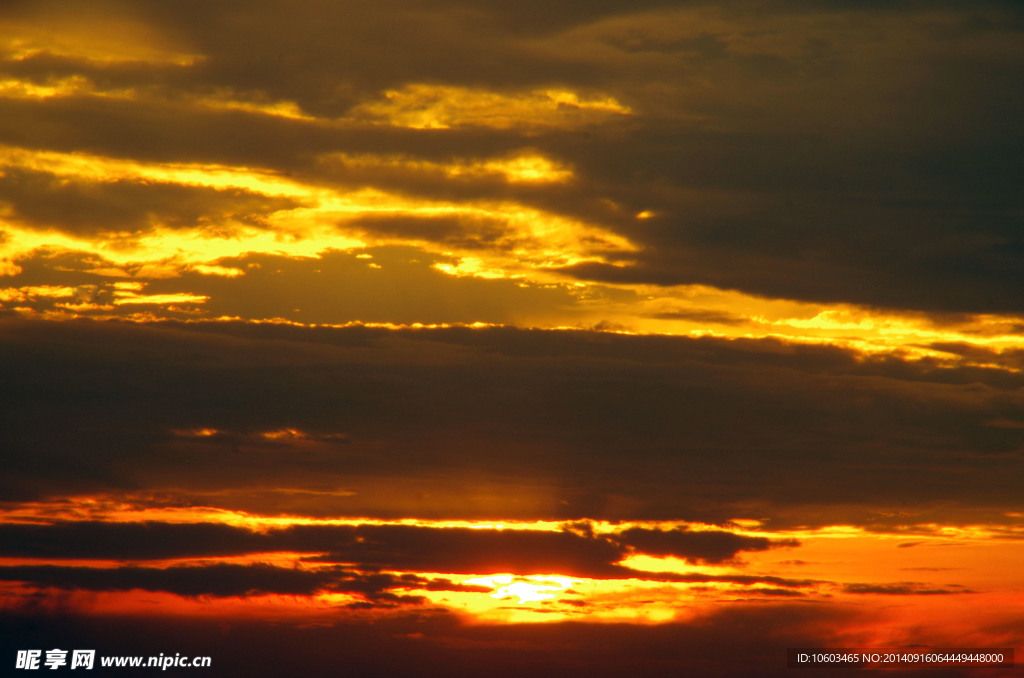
{"x": 529, "y": 240}
{"x": 529, "y": 589}
{"x": 493, "y": 240}
{"x": 422, "y": 106}
{"x": 523, "y": 167}
{"x": 836, "y": 563}
{"x": 176, "y": 298}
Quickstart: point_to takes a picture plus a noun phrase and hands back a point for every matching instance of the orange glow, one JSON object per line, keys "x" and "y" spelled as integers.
{"x": 915, "y": 572}
{"x": 284, "y": 434}
{"x": 528, "y": 589}
{"x": 198, "y": 433}
{"x": 647, "y": 563}
{"x": 22, "y": 89}
{"x": 532, "y": 240}
{"x": 524, "y": 167}
{"x": 8, "y": 267}
{"x": 179, "y": 298}
{"x": 421, "y": 106}
{"x": 33, "y": 291}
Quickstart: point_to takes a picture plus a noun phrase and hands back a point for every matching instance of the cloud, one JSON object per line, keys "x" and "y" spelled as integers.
{"x": 122, "y": 541}
{"x": 710, "y": 546}
{"x": 775, "y": 158}
{"x": 358, "y": 559}
{"x": 366, "y": 547}
{"x": 220, "y": 580}
{"x": 499, "y": 423}
{"x": 903, "y": 589}
{"x": 426, "y": 107}
{"x": 223, "y": 580}
{"x": 396, "y": 285}
{"x": 90, "y": 208}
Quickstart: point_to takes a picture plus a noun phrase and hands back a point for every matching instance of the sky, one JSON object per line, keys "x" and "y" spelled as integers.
{"x": 468, "y": 336}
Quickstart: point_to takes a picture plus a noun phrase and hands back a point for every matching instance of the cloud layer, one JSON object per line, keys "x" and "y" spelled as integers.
{"x": 841, "y": 155}
{"x": 500, "y": 423}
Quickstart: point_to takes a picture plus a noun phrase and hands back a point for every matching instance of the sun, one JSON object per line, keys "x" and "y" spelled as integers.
{"x": 529, "y": 589}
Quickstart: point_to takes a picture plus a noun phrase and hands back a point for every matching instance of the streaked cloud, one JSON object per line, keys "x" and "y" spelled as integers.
{"x": 411, "y": 403}
{"x": 421, "y": 106}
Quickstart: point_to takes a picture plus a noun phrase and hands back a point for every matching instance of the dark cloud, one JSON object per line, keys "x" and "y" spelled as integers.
{"x": 710, "y": 546}
{"x": 881, "y": 203}
{"x": 223, "y": 580}
{"x": 739, "y": 579}
{"x": 416, "y": 644}
{"x": 156, "y": 131}
{"x": 83, "y": 207}
{"x": 361, "y": 554}
{"x": 500, "y": 423}
{"x": 467, "y": 551}
{"x": 376, "y": 548}
{"x": 319, "y": 54}
{"x": 220, "y": 580}
{"x": 121, "y": 541}
{"x": 387, "y": 547}
{"x": 903, "y": 589}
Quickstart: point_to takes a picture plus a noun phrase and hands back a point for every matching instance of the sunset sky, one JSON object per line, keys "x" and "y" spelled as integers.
{"x": 477, "y": 337}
